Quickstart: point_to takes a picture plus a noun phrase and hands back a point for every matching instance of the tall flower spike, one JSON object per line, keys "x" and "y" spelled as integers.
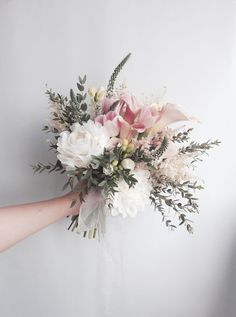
{"x": 110, "y": 86}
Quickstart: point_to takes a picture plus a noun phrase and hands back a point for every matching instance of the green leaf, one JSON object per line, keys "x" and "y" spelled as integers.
{"x": 84, "y": 106}
{"x": 73, "y": 203}
{"x": 79, "y": 98}
{"x": 103, "y": 183}
{"x": 115, "y": 73}
{"x": 72, "y": 96}
{"x": 182, "y": 218}
{"x": 189, "y": 228}
{"x": 82, "y": 80}
{"x": 80, "y": 87}
{"x": 66, "y": 185}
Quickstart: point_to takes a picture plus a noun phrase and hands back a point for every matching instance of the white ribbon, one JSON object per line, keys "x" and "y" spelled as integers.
{"x": 92, "y": 213}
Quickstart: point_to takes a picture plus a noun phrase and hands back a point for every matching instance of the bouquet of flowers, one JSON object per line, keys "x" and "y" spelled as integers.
{"x": 122, "y": 155}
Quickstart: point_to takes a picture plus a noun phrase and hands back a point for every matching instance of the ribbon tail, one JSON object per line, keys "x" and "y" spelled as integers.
{"x": 92, "y": 215}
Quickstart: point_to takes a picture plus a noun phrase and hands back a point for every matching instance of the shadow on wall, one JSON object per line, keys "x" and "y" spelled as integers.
{"x": 226, "y": 304}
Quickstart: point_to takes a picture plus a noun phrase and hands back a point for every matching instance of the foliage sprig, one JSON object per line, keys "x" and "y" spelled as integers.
{"x": 110, "y": 86}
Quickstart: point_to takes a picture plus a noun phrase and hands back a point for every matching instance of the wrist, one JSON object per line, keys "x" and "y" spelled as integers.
{"x": 68, "y": 199}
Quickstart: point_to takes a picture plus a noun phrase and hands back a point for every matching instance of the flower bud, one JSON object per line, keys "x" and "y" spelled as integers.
{"x": 125, "y": 142}
{"x": 128, "y": 164}
{"x": 130, "y": 148}
{"x": 100, "y": 94}
{"x": 114, "y": 163}
{"x": 92, "y": 92}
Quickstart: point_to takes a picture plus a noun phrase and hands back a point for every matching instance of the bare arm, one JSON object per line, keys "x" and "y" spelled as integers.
{"x": 18, "y": 222}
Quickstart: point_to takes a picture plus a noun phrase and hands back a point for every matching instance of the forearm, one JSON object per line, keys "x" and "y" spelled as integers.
{"x": 18, "y": 222}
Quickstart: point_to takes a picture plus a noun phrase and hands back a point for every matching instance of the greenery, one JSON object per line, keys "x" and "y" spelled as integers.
{"x": 110, "y": 86}
{"x": 70, "y": 109}
{"x": 198, "y": 149}
{"x": 163, "y": 147}
{"x": 182, "y": 136}
{"x": 49, "y": 167}
{"x": 179, "y": 197}
{"x": 175, "y": 200}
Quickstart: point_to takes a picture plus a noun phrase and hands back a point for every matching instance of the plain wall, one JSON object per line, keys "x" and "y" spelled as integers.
{"x": 140, "y": 268}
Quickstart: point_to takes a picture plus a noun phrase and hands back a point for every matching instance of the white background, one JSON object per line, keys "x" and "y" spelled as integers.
{"x": 140, "y": 269}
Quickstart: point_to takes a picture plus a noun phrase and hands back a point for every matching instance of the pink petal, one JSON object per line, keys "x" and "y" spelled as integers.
{"x": 100, "y": 119}
{"x": 129, "y": 115}
{"x": 170, "y": 113}
{"x": 106, "y": 104}
{"x": 130, "y": 100}
{"x": 124, "y": 128}
{"x": 140, "y": 127}
{"x": 112, "y": 127}
{"x": 111, "y": 115}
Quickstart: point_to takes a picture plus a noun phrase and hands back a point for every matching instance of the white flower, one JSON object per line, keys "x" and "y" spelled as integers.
{"x": 129, "y": 201}
{"x": 128, "y": 164}
{"x": 108, "y": 170}
{"x": 95, "y": 164}
{"x": 77, "y": 147}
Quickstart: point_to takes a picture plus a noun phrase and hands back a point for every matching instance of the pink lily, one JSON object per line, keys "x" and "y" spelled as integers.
{"x": 110, "y": 121}
{"x": 107, "y": 103}
{"x": 170, "y": 113}
{"x": 128, "y": 108}
{"x": 146, "y": 118}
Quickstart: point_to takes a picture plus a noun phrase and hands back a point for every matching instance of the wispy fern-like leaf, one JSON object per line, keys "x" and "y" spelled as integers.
{"x": 110, "y": 86}
{"x": 162, "y": 148}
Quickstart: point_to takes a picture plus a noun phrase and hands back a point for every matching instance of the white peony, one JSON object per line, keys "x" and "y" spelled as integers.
{"x": 129, "y": 201}
{"x": 77, "y": 147}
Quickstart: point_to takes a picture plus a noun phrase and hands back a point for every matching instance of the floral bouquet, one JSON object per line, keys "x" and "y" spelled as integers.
{"x": 122, "y": 155}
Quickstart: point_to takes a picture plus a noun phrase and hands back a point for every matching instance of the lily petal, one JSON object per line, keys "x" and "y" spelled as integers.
{"x": 170, "y": 113}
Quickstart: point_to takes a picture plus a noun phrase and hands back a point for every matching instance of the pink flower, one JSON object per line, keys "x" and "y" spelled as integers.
{"x": 122, "y": 117}
{"x": 128, "y": 108}
{"x": 126, "y": 131}
{"x": 170, "y": 113}
{"x": 110, "y": 121}
{"x": 106, "y": 104}
{"x": 146, "y": 118}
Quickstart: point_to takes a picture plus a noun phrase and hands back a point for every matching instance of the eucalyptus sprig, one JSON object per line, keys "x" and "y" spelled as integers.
{"x": 182, "y": 136}
{"x": 49, "y": 167}
{"x": 179, "y": 197}
{"x": 70, "y": 109}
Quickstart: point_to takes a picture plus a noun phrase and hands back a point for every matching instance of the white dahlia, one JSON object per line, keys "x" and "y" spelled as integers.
{"x": 77, "y": 147}
{"x": 129, "y": 201}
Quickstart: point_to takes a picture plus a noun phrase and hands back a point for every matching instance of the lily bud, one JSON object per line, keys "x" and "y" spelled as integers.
{"x": 125, "y": 142}
{"x": 124, "y": 148}
{"x": 114, "y": 163}
{"x": 130, "y": 148}
{"x": 100, "y": 94}
{"x": 92, "y": 92}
